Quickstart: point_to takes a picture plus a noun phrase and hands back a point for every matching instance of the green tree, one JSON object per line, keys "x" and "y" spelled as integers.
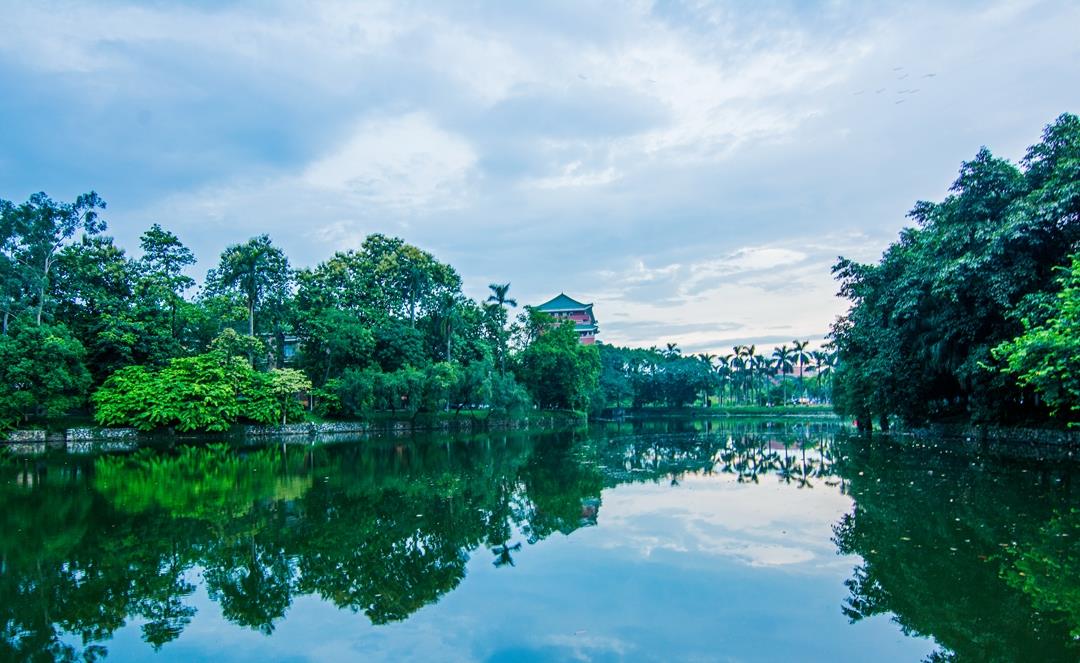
{"x": 257, "y": 270}
{"x": 783, "y": 358}
{"x": 35, "y": 231}
{"x": 500, "y": 302}
{"x": 800, "y": 356}
{"x": 162, "y": 268}
{"x": 42, "y": 372}
{"x": 557, "y": 370}
{"x": 285, "y": 385}
{"x": 1045, "y": 356}
{"x": 917, "y": 341}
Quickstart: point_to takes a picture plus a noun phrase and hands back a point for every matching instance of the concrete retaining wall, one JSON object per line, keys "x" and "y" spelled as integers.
{"x": 96, "y": 440}
{"x": 1037, "y": 436}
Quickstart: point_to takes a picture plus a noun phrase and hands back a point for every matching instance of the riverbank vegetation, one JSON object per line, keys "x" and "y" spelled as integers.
{"x": 971, "y": 316}
{"x": 745, "y": 378}
{"x": 381, "y": 329}
{"x": 384, "y": 328}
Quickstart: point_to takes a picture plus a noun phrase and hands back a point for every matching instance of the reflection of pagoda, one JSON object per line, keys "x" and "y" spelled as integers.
{"x": 566, "y": 308}
{"x": 590, "y": 509}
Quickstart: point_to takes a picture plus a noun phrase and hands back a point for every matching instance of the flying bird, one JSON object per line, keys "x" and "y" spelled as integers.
{"x": 582, "y": 77}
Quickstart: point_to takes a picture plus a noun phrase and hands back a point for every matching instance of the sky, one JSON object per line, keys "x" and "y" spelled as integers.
{"x": 691, "y": 168}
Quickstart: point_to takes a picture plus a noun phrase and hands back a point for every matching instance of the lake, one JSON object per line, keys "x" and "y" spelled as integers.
{"x": 678, "y": 539}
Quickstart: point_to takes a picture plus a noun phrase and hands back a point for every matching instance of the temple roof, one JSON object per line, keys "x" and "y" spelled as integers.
{"x": 563, "y": 303}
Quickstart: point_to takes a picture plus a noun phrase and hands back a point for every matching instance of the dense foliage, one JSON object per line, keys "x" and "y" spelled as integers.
{"x": 645, "y": 377}
{"x": 918, "y": 342}
{"x": 384, "y": 328}
{"x": 1045, "y": 356}
{"x": 209, "y": 392}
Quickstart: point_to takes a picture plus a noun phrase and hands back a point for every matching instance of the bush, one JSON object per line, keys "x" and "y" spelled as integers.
{"x": 207, "y": 392}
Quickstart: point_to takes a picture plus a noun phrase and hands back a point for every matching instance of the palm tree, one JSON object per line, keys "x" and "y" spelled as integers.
{"x": 762, "y": 367}
{"x": 501, "y": 301}
{"x": 498, "y": 295}
{"x": 723, "y": 373}
{"x": 447, "y": 318}
{"x": 672, "y": 351}
{"x": 800, "y": 356}
{"x": 819, "y": 363}
{"x": 782, "y": 355}
{"x": 707, "y": 359}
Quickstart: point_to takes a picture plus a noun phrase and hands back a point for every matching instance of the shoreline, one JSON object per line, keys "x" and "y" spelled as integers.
{"x": 83, "y": 440}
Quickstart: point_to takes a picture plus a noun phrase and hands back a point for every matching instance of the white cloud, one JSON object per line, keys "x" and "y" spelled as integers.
{"x": 683, "y": 164}
{"x": 758, "y": 525}
{"x": 403, "y": 163}
{"x": 573, "y": 176}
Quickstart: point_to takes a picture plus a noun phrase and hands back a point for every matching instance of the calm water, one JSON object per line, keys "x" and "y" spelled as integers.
{"x": 679, "y": 540}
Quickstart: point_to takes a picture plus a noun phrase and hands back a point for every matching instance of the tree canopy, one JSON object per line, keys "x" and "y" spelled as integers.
{"x": 917, "y": 343}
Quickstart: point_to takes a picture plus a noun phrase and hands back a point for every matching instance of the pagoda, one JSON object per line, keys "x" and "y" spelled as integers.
{"x": 567, "y": 308}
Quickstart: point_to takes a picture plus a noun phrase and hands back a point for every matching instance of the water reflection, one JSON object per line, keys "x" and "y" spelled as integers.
{"x": 982, "y": 557}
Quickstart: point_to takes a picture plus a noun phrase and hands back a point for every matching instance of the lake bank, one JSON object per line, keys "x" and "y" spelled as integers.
{"x": 87, "y": 439}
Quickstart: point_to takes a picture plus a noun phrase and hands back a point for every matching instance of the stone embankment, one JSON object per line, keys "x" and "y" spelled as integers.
{"x": 1039, "y": 436}
{"x": 989, "y": 441}
{"x": 97, "y": 440}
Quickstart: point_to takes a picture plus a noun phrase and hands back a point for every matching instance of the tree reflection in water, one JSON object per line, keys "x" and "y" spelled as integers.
{"x": 980, "y": 556}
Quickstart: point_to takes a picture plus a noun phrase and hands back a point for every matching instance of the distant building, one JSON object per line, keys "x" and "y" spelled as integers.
{"x": 566, "y": 308}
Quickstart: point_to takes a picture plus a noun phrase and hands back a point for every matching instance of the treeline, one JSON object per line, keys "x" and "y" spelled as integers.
{"x": 974, "y": 314}
{"x": 87, "y": 327}
{"x": 645, "y": 377}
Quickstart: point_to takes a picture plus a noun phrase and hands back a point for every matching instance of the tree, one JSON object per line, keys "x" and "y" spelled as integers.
{"x": 782, "y": 356}
{"x": 557, "y": 370}
{"x": 447, "y": 317}
{"x": 36, "y": 230}
{"x": 42, "y": 372}
{"x": 918, "y": 340}
{"x": 800, "y": 356}
{"x": 257, "y": 270}
{"x": 162, "y": 270}
{"x": 285, "y": 384}
{"x": 1044, "y": 357}
{"x": 500, "y": 302}
{"x": 499, "y": 296}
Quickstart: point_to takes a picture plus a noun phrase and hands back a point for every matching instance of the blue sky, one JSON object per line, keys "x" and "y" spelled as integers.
{"x": 693, "y": 168}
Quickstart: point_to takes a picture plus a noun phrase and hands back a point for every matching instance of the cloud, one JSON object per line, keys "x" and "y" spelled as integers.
{"x": 760, "y": 526}
{"x": 403, "y": 163}
{"x": 688, "y": 163}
